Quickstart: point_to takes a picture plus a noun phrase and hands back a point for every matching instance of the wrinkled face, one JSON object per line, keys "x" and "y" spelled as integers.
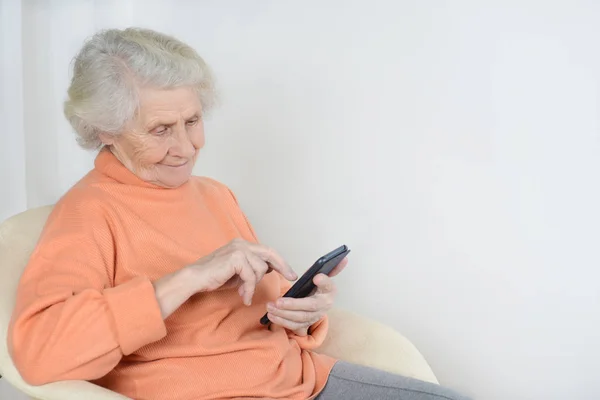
{"x": 161, "y": 144}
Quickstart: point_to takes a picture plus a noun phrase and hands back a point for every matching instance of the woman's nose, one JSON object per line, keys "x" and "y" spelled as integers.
{"x": 183, "y": 147}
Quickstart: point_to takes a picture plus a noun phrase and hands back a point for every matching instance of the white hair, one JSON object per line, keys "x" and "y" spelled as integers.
{"x": 114, "y": 64}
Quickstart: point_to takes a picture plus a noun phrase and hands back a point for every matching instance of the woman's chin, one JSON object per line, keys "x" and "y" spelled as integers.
{"x": 172, "y": 177}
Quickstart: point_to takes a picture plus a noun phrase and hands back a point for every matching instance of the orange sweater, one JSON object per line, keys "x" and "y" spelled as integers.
{"x": 86, "y": 307}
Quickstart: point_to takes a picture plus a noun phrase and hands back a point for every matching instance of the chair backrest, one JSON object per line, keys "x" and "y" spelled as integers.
{"x": 18, "y": 237}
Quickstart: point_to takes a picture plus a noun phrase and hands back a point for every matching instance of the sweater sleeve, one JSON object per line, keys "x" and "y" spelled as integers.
{"x": 70, "y": 321}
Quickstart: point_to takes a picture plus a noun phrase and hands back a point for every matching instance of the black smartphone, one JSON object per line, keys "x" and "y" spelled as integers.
{"x": 324, "y": 265}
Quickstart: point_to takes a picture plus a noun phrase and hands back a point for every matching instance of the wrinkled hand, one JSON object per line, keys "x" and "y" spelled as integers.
{"x": 238, "y": 264}
{"x": 298, "y": 315}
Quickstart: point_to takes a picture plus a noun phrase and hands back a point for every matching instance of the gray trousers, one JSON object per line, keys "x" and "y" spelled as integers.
{"x": 354, "y": 382}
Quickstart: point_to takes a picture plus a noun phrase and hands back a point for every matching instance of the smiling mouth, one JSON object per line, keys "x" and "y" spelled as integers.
{"x": 176, "y": 166}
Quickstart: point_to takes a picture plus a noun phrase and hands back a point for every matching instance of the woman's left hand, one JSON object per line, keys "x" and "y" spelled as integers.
{"x": 298, "y": 315}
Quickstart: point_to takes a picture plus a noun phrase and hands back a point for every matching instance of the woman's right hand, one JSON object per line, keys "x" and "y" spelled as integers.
{"x": 238, "y": 264}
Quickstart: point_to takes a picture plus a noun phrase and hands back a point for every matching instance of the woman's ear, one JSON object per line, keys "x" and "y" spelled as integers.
{"x": 106, "y": 138}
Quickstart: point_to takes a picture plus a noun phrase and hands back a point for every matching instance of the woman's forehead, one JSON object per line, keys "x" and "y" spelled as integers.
{"x": 168, "y": 103}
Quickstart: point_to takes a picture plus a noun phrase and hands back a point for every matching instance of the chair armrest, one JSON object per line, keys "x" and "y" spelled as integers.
{"x": 359, "y": 340}
{"x": 64, "y": 390}
{"x": 71, "y": 390}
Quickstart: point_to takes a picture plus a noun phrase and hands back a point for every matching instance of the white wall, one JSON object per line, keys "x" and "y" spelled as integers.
{"x": 452, "y": 145}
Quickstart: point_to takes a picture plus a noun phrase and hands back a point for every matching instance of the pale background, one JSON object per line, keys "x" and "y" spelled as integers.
{"x": 452, "y": 145}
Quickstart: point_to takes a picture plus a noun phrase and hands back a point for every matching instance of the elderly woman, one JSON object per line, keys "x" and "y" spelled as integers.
{"x": 151, "y": 282}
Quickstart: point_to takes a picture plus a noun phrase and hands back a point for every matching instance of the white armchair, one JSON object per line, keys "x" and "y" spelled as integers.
{"x": 352, "y": 338}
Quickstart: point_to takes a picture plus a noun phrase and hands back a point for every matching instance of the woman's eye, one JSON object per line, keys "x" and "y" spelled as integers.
{"x": 160, "y": 131}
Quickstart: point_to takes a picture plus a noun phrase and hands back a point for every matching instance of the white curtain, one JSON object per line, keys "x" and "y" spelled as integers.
{"x": 12, "y": 151}
{"x": 39, "y": 158}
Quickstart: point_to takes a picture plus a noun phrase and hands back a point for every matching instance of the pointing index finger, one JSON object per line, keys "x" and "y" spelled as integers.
{"x": 274, "y": 260}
